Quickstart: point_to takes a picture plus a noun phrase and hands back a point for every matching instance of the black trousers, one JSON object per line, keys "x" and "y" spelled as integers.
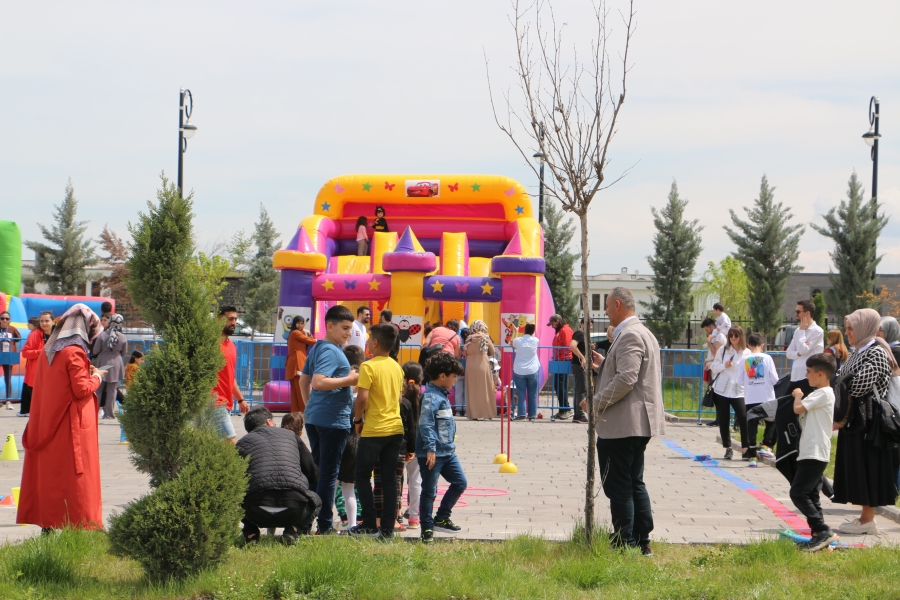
{"x": 723, "y": 416}
{"x": 25, "y": 407}
{"x": 805, "y": 490}
{"x": 578, "y": 374}
{"x": 299, "y": 519}
{"x": 622, "y": 473}
{"x": 385, "y": 452}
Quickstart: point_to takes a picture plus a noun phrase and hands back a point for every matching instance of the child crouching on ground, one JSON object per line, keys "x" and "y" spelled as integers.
{"x": 816, "y": 413}
{"x": 435, "y": 447}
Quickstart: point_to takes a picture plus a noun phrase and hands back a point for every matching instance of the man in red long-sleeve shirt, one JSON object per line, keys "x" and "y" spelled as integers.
{"x": 561, "y": 341}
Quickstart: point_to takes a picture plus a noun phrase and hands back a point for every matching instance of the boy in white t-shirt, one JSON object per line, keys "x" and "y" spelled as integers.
{"x": 758, "y": 377}
{"x": 816, "y": 413}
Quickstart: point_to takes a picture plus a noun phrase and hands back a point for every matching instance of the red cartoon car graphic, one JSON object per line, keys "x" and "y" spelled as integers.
{"x": 423, "y": 189}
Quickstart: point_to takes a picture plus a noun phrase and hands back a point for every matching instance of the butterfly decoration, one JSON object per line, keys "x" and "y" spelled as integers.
{"x": 510, "y": 191}
{"x": 414, "y": 329}
{"x": 462, "y": 287}
{"x": 389, "y": 186}
{"x": 350, "y": 285}
{"x": 454, "y": 187}
{"x": 338, "y": 188}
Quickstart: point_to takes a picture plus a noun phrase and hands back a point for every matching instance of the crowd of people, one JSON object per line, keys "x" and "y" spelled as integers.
{"x": 371, "y": 422}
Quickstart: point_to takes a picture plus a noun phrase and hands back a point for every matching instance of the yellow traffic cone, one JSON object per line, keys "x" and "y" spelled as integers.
{"x": 10, "y": 452}
{"x": 509, "y": 467}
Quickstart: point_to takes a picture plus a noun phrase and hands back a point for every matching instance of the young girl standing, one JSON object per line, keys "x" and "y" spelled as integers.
{"x": 362, "y": 237}
{"x": 409, "y": 404}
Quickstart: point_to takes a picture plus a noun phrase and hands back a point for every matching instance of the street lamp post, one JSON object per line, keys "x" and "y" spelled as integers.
{"x": 185, "y": 132}
{"x": 540, "y": 156}
{"x": 871, "y": 138}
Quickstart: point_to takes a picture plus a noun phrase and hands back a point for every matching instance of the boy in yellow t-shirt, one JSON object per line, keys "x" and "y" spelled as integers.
{"x": 377, "y": 420}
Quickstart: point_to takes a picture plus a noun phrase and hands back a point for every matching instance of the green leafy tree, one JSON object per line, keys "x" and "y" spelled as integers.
{"x": 854, "y": 227}
{"x": 210, "y": 272}
{"x": 187, "y": 522}
{"x": 819, "y": 314}
{"x": 63, "y": 267}
{"x": 769, "y": 248}
{"x": 726, "y": 283}
{"x": 560, "y": 261}
{"x": 261, "y": 283}
{"x": 676, "y": 247}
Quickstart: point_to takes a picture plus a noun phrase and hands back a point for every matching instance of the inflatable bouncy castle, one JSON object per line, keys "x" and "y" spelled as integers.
{"x": 460, "y": 247}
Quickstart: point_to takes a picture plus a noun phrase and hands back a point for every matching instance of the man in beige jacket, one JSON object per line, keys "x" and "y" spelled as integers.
{"x": 628, "y": 410}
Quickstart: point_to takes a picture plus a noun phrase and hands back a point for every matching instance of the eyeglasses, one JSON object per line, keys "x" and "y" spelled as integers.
{"x": 799, "y": 312}
{"x": 4, "y": 318}
{"x": 734, "y": 336}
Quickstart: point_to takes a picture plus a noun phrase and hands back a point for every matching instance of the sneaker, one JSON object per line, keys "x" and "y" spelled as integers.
{"x": 446, "y": 526}
{"x": 854, "y": 527}
{"x": 360, "y": 531}
{"x": 729, "y": 453}
{"x": 406, "y": 514}
{"x": 427, "y": 536}
{"x": 579, "y": 420}
{"x": 765, "y": 452}
{"x": 712, "y": 424}
{"x": 820, "y": 540}
{"x": 9, "y": 406}
{"x": 21, "y": 414}
{"x": 520, "y": 418}
{"x": 745, "y": 455}
{"x": 289, "y": 536}
{"x": 753, "y": 463}
{"x": 646, "y": 551}
{"x": 564, "y": 414}
{"x": 413, "y": 524}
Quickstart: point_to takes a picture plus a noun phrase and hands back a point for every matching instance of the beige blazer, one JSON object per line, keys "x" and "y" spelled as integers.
{"x": 628, "y": 394}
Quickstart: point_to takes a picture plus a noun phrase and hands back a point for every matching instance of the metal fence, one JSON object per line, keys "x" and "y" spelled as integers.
{"x": 260, "y": 363}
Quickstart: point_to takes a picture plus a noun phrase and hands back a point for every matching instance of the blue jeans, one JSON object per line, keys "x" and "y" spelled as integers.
{"x": 451, "y": 470}
{"x": 326, "y": 444}
{"x": 561, "y": 389}
{"x": 527, "y": 386}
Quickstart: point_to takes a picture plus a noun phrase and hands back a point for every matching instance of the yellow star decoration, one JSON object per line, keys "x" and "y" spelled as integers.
{"x": 328, "y": 285}
{"x": 373, "y": 285}
{"x": 437, "y": 286}
{"x": 487, "y": 288}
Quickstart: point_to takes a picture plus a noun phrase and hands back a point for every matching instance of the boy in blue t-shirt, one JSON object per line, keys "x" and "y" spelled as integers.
{"x": 435, "y": 448}
{"x": 325, "y": 382}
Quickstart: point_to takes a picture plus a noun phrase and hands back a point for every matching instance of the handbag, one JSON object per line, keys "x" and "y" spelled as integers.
{"x": 708, "y": 401}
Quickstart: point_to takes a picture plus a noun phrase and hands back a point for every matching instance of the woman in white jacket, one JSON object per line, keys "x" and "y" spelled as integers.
{"x": 728, "y": 392}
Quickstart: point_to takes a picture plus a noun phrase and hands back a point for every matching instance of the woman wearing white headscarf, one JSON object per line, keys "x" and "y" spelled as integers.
{"x": 61, "y": 474}
{"x": 112, "y": 345}
{"x": 864, "y": 474}
{"x": 481, "y": 396}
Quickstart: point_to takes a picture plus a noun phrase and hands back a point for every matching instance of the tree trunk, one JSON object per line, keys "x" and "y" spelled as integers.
{"x": 589, "y": 392}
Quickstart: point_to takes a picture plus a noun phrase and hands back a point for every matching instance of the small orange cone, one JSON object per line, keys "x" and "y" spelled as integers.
{"x": 7, "y": 501}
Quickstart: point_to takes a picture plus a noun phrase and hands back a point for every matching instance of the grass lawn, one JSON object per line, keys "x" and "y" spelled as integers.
{"x": 76, "y": 565}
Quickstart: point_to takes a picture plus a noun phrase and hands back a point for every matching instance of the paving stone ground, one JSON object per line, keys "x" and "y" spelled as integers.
{"x": 691, "y": 503}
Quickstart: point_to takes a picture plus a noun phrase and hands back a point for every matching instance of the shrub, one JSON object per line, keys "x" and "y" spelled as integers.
{"x": 188, "y": 523}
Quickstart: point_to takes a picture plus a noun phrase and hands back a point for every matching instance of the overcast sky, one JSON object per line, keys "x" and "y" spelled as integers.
{"x": 290, "y": 94}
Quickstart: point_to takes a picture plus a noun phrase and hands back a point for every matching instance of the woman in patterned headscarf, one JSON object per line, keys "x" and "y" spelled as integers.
{"x": 481, "y": 396}
{"x": 113, "y": 346}
{"x": 61, "y": 474}
{"x": 864, "y": 474}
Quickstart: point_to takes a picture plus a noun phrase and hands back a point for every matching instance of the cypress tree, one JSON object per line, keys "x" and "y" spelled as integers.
{"x": 677, "y": 245}
{"x": 854, "y": 227}
{"x": 261, "y": 283}
{"x": 62, "y": 267}
{"x": 187, "y": 522}
{"x": 769, "y": 248}
{"x": 560, "y": 262}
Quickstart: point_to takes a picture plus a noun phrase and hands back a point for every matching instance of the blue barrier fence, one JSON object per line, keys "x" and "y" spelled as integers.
{"x": 260, "y": 362}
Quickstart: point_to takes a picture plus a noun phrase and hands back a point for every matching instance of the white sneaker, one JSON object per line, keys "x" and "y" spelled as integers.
{"x": 9, "y": 406}
{"x": 854, "y": 527}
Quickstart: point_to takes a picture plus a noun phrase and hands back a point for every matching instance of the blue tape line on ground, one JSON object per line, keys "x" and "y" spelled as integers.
{"x": 711, "y": 465}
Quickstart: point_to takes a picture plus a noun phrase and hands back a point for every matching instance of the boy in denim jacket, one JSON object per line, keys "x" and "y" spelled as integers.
{"x": 435, "y": 448}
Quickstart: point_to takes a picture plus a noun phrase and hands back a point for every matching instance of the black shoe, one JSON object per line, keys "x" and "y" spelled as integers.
{"x": 579, "y": 420}
{"x": 519, "y": 418}
{"x": 713, "y": 424}
{"x": 646, "y": 551}
{"x": 289, "y": 536}
{"x": 446, "y": 526}
{"x": 746, "y": 455}
{"x": 360, "y": 531}
{"x": 427, "y": 536}
{"x": 728, "y": 453}
{"x": 329, "y": 531}
{"x": 819, "y": 541}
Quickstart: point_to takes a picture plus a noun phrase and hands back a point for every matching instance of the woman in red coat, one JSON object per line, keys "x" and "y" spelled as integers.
{"x": 61, "y": 474}
{"x": 31, "y": 351}
{"x": 299, "y": 341}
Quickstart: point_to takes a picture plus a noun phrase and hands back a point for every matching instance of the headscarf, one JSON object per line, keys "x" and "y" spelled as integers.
{"x": 891, "y": 329}
{"x": 115, "y": 328}
{"x": 77, "y": 327}
{"x": 480, "y": 326}
{"x": 865, "y": 323}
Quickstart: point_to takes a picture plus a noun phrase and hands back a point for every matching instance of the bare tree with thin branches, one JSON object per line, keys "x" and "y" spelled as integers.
{"x": 569, "y": 113}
